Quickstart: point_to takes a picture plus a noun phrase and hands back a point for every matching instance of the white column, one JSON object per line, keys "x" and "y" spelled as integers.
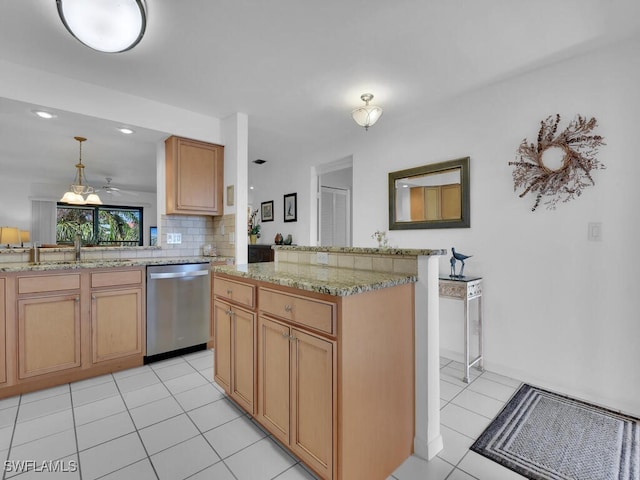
{"x": 428, "y": 440}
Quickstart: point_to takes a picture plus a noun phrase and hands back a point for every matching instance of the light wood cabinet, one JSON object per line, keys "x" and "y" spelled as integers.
{"x": 3, "y": 313}
{"x": 296, "y": 384}
{"x": 194, "y": 177}
{"x": 116, "y": 324}
{"x": 335, "y": 375}
{"x": 48, "y": 334}
{"x": 117, "y": 320}
{"x": 234, "y": 352}
{"x": 63, "y": 326}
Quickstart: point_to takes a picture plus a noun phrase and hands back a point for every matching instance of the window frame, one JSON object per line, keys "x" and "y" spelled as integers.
{"x": 96, "y": 222}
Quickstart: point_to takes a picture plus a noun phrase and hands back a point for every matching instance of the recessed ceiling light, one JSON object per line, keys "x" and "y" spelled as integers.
{"x": 43, "y": 114}
{"x": 251, "y": 187}
{"x": 126, "y": 130}
{"x": 259, "y": 161}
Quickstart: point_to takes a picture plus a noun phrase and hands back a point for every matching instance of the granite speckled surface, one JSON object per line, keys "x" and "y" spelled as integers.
{"x": 364, "y": 250}
{"x": 106, "y": 263}
{"x": 316, "y": 278}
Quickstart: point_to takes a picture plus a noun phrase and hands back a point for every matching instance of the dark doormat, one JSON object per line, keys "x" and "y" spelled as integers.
{"x": 546, "y": 436}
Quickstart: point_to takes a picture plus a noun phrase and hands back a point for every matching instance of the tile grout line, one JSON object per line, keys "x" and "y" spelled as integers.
{"x": 15, "y": 423}
{"x": 75, "y": 431}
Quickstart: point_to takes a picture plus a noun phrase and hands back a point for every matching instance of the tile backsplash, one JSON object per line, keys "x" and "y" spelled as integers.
{"x": 197, "y": 231}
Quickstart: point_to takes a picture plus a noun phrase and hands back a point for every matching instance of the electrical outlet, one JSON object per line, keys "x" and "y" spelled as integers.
{"x": 322, "y": 258}
{"x": 174, "y": 238}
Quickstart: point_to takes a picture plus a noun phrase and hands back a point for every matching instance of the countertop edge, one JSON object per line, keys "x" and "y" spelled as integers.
{"x": 308, "y": 283}
{"x": 107, "y": 263}
{"x": 412, "y": 252}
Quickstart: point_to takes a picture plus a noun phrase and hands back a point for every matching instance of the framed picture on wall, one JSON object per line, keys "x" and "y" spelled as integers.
{"x": 291, "y": 207}
{"x": 266, "y": 211}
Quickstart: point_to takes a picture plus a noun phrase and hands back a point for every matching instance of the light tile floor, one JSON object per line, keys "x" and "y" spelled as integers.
{"x": 170, "y": 421}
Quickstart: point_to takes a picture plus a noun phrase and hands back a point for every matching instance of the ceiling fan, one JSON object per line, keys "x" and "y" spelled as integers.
{"x": 111, "y": 189}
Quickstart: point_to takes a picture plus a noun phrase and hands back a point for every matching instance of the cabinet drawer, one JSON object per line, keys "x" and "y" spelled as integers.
{"x": 120, "y": 277}
{"x": 241, "y": 293}
{"x": 48, "y": 283}
{"x": 312, "y": 313}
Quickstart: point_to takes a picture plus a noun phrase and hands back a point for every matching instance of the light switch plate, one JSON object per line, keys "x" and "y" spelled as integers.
{"x": 595, "y": 232}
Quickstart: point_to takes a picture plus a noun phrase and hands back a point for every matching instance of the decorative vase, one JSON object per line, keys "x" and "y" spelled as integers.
{"x": 278, "y": 239}
{"x": 288, "y": 240}
{"x": 253, "y": 239}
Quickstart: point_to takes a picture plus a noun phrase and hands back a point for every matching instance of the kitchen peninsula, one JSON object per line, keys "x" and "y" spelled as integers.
{"x": 329, "y": 358}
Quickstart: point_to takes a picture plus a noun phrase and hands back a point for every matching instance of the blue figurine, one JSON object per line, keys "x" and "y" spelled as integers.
{"x": 452, "y": 261}
{"x": 462, "y": 258}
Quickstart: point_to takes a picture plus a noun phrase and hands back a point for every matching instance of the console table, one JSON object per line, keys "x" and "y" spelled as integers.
{"x": 466, "y": 289}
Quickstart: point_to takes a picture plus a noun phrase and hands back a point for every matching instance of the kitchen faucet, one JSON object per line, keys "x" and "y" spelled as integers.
{"x": 77, "y": 243}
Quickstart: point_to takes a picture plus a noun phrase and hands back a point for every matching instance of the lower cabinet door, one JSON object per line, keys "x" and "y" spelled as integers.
{"x": 274, "y": 376}
{"x": 222, "y": 345}
{"x": 48, "y": 334}
{"x": 312, "y": 394}
{"x": 243, "y": 352}
{"x": 116, "y": 323}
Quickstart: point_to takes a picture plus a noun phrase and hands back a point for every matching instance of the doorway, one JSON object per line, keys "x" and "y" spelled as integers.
{"x": 334, "y": 205}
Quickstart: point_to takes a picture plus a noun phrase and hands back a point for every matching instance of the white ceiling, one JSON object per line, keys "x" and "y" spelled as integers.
{"x": 297, "y": 68}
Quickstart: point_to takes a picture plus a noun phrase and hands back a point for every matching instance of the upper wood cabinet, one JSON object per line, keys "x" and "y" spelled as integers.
{"x": 194, "y": 172}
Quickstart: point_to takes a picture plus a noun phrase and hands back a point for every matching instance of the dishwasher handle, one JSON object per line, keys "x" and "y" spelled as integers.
{"x": 197, "y": 273}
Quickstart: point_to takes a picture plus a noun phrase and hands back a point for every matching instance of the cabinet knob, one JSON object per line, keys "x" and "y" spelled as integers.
{"x": 228, "y": 312}
{"x": 285, "y": 334}
{"x": 77, "y": 299}
{"x": 229, "y": 292}
{"x": 287, "y": 308}
{"x": 93, "y": 297}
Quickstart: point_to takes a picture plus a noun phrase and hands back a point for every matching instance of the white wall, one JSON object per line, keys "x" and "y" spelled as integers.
{"x": 559, "y": 309}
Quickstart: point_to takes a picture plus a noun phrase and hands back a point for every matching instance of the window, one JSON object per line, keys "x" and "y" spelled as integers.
{"x": 99, "y": 225}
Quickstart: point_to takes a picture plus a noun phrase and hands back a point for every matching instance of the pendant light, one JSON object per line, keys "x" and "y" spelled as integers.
{"x": 368, "y": 115}
{"x": 110, "y": 26}
{"x": 77, "y": 189}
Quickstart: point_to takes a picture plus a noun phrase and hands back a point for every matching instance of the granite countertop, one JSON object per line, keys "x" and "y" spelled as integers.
{"x": 364, "y": 250}
{"x": 317, "y": 278}
{"x": 104, "y": 263}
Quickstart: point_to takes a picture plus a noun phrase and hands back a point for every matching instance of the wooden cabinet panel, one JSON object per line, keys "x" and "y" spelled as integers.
{"x": 116, "y": 278}
{"x": 48, "y": 283}
{"x": 116, "y": 324}
{"x": 243, "y": 365}
{"x": 312, "y": 313}
{"x": 48, "y": 334}
{"x": 194, "y": 173}
{"x": 222, "y": 348}
{"x": 3, "y": 353}
{"x": 241, "y": 293}
{"x": 274, "y": 377}
{"x": 234, "y": 353}
{"x": 312, "y": 396}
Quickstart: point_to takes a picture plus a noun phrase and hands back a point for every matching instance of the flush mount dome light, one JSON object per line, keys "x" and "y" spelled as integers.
{"x": 110, "y": 26}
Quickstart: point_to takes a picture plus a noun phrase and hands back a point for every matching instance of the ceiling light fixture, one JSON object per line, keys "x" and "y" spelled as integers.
{"x": 43, "y": 114}
{"x": 77, "y": 189}
{"x": 105, "y": 25}
{"x": 126, "y": 130}
{"x": 368, "y": 115}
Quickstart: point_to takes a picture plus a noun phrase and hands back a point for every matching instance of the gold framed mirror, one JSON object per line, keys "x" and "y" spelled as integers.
{"x": 430, "y": 196}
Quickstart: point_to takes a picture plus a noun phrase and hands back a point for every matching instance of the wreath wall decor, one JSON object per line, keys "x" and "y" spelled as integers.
{"x": 578, "y": 149}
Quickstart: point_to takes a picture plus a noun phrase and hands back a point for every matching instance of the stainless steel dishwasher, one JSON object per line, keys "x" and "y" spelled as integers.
{"x": 178, "y": 309}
